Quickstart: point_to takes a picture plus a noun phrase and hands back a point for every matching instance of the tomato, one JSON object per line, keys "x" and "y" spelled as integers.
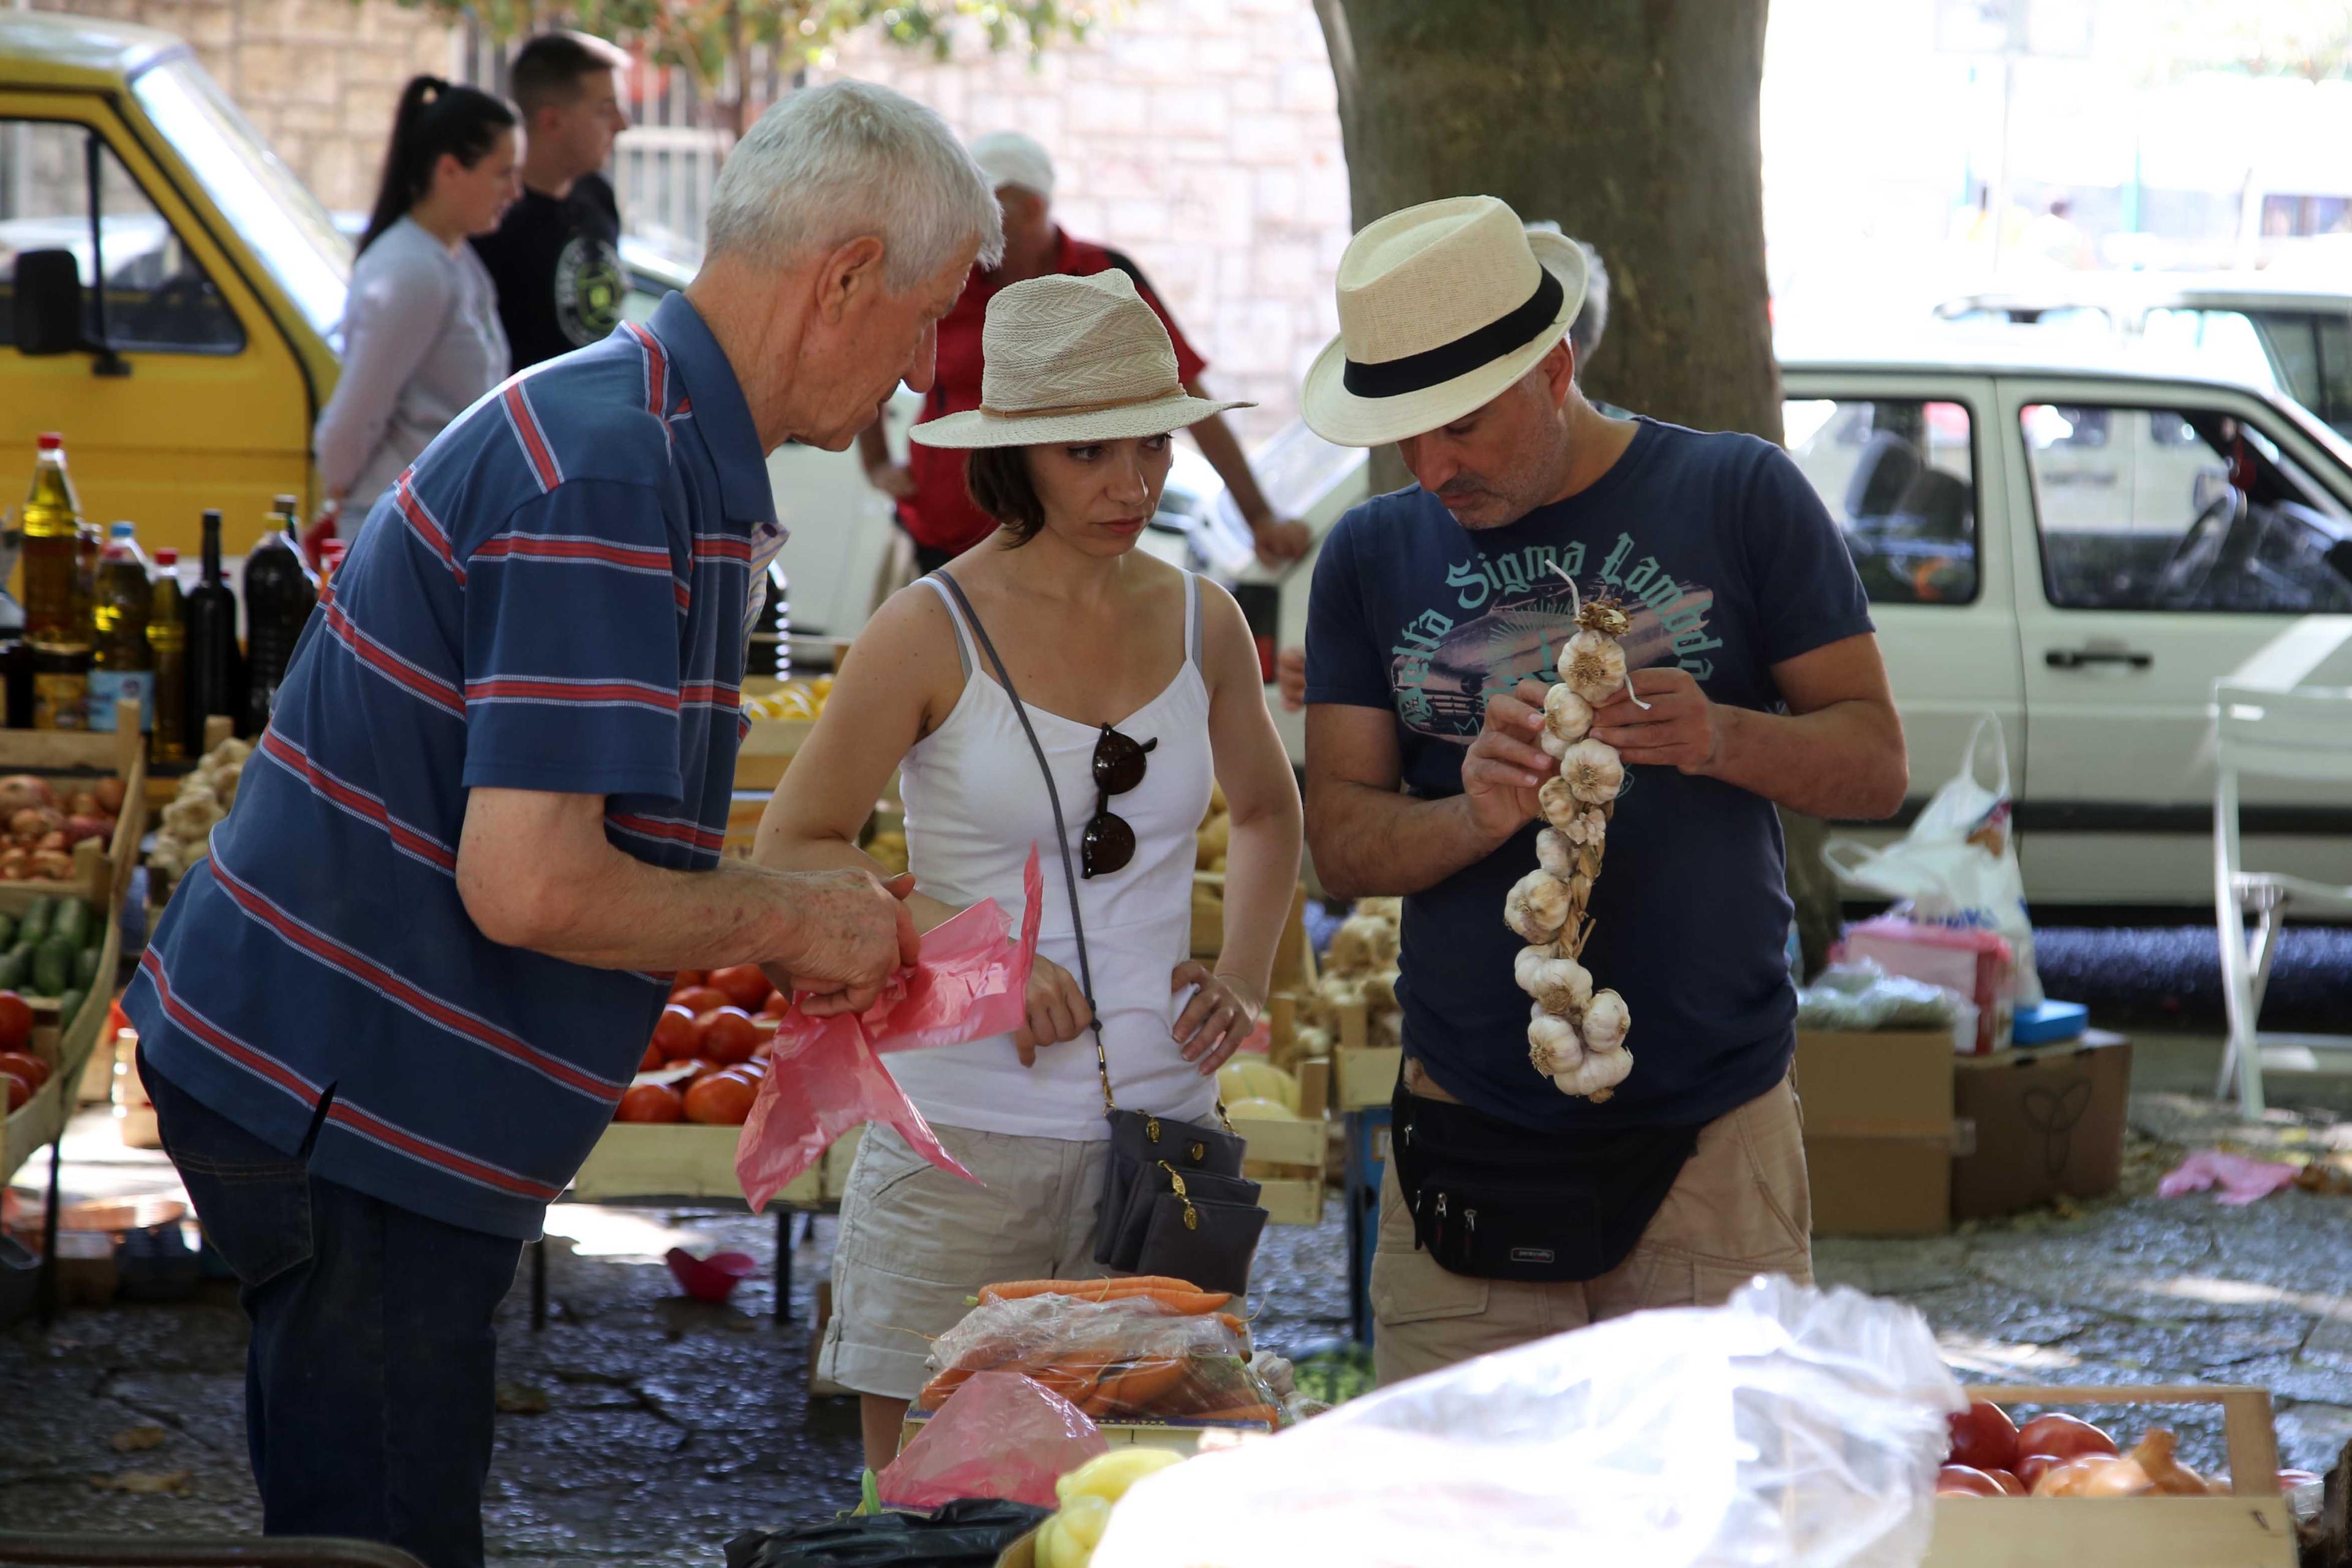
{"x": 1964, "y": 1480}
{"x": 15, "y": 1021}
{"x": 2061, "y": 1437}
{"x": 19, "y": 1089}
{"x": 726, "y": 1035}
{"x": 2009, "y": 1483}
{"x": 674, "y": 1033}
{"x": 722, "y": 1100}
{"x": 745, "y": 986}
{"x": 1983, "y": 1437}
{"x": 776, "y": 1007}
{"x": 685, "y": 977}
{"x": 698, "y": 998}
{"x": 650, "y": 1102}
{"x": 652, "y": 1058}
{"x": 24, "y": 1065}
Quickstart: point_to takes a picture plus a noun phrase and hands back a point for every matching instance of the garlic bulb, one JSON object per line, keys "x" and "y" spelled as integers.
{"x": 1537, "y": 907}
{"x": 1559, "y": 984}
{"x": 1593, "y": 666}
{"x": 1565, "y": 715}
{"x": 1554, "y": 853}
{"x": 1552, "y": 1045}
{"x": 1554, "y": 747}
{"x": 1596, "y": 1075}
{"x": 1607, "y": 1022}
{"x": 1557, "y": 801}
{"x": 1593, "y": 772}
{"x": 1588, "y": 828}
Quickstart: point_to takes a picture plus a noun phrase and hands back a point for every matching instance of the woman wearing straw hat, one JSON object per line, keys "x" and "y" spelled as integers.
{"x": 1140, "y": 684}
{"x": 1755, "y": 681}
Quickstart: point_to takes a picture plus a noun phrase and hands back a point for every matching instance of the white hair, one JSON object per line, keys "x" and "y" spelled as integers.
{"x": 1593, "y": 318}
{"x": 827, "y": 164}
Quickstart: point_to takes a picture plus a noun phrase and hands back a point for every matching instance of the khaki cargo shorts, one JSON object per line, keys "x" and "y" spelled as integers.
{"x": 915, "y": 1242}
{"x": 1740, "y": 1207}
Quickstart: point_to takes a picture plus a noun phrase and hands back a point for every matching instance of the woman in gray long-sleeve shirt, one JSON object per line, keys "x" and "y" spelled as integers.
{"x": 421, "y": 335}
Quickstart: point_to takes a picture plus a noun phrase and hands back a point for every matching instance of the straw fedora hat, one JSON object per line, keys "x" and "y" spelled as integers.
{"x": 1442, "y": 307}
{"x": 1072, "y": 359}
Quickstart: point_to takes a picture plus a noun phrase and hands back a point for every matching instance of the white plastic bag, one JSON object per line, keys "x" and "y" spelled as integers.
{"x": 1791, "y": 1428}
{"x": 1957, "y": 866}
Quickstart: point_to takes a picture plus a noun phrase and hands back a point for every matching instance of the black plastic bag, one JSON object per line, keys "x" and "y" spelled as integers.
{"x": 967, "y": 1533}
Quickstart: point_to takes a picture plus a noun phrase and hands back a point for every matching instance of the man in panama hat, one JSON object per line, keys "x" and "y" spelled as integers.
{"x": 1511, "y": 1210}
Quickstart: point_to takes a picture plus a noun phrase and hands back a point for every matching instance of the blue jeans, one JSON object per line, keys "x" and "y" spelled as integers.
{"x": 370, "y": 1377}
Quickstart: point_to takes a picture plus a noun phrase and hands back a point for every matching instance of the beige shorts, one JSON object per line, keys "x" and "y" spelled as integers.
{"x": 915, "y": 1242}
{"x": 1740, "y": 1207}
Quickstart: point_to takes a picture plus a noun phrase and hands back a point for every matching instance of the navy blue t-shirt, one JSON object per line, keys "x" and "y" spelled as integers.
{"x": 1728, "y": 564}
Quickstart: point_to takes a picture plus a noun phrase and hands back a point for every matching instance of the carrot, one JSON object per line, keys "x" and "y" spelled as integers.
{"x": 1266, "y": 1413}
{"x": 1089, "y": 1290}
{"x": 1136, "y": 1387}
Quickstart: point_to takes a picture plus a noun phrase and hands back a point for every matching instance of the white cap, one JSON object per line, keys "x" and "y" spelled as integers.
{"x": 1009, "y": 158}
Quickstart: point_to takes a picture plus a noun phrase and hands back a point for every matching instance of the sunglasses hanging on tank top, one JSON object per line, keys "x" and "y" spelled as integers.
{"x": 1174, "y": 1199}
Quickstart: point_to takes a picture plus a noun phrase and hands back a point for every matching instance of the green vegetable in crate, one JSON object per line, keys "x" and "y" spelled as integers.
{"x": 85, "y": 973}
{"x": 69, "y": 1007}
{"x": 14, "y": 965}
{"x": 36, "y": 923}
{"x": 8, "y": 932}
{"x": 72, "y": 919}
{"x": 53, "y": 965}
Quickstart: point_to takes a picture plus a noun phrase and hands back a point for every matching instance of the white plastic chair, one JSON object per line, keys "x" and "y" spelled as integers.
{"x": 2301, "y": 733}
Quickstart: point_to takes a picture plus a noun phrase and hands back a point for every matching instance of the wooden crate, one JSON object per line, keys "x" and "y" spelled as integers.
{"x": 64, "y": 1043}
{"x": 760, "y": 760}
{"x": 2251, "y": 1528}
{"x": 72, "y": 759}
{"x": 1292, "y": 1152}
{"x": 675, "y": 1160}
{"x": 1293, "y": 955}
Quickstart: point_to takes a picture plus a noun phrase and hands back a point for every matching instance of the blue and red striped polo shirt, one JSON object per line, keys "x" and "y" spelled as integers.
{"x": 557, "y": 596}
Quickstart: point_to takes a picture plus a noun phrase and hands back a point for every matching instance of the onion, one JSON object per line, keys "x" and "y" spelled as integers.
{"x": 20, "y": 790}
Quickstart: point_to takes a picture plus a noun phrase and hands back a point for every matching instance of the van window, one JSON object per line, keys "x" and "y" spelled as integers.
{"x": 158, "y": 299}
{"x": 1898, "y": 476}
{"x": 2179, "y": 509}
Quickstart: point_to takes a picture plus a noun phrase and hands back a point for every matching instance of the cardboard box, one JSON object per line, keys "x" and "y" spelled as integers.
{"x": 1878, "y": 1117}
{"x": 2039, "y": 1121}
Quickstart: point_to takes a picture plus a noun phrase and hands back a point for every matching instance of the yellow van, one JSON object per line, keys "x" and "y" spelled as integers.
{"x": 190, "y": 378}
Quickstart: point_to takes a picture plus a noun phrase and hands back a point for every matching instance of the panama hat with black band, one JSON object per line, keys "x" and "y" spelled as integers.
{"x": 1441, "y": 307}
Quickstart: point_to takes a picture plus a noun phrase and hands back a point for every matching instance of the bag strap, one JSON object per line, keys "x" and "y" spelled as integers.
{"x": 1061, "y": 827}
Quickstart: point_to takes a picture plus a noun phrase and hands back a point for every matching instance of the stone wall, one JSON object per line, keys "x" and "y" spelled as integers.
{"x": 318, "y": 78}
{"x": 1202, "y": 137}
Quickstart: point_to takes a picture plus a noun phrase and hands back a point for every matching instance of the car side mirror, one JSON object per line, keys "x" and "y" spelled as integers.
{"x": 49, "y": 303}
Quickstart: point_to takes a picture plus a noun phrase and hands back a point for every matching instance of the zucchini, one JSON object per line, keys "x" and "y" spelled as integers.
{"x": 53, "y": 963}
{"x": 8, "y": 932}
{"x": 12, "y": 970}
{"x": 68, "y": 1005}
{"x": 71, "y": 920}
{"x": 36, "y": 923}
{"x": 85, "y": 969}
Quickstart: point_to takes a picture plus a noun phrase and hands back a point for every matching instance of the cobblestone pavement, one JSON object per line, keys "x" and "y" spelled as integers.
{"x": 640, "y": 1428}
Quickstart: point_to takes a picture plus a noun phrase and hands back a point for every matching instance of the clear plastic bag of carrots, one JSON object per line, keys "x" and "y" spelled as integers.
{"x": 1141, "y": 1349}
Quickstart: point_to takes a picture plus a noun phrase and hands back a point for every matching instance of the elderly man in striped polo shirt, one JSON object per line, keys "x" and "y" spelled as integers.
{"x": 385, "y": 1024}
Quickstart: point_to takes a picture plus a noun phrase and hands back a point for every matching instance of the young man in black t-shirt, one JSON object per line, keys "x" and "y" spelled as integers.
{"x": 557, "y": 256}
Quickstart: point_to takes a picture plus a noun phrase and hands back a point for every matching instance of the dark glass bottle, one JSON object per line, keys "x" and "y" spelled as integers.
{"x": 280, "y": 594}
{"x": 215, "y": 683}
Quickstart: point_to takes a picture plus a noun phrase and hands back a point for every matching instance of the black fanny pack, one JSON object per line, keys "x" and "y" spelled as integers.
{"x": 1493, "y": 1200}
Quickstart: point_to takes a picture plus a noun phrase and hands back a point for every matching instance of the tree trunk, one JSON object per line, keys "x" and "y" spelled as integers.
{"x": 1634, "y": 125}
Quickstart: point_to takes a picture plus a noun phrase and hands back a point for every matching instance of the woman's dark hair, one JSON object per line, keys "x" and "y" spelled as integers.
{"x": 998, "y": 478}
{"x": 435, "y": 117}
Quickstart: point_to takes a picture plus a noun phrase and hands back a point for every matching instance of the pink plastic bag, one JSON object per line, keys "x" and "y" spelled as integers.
{"x": 1001, "y": 1434}
{"x": 824, "y": 1076}
{"x": 2242, "y": 1178}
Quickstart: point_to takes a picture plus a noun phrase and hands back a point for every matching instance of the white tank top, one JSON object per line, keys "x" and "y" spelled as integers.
{"x": 975, "y": 801}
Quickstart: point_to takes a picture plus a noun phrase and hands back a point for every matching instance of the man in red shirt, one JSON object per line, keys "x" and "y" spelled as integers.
{"x": 934, "y": 507}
